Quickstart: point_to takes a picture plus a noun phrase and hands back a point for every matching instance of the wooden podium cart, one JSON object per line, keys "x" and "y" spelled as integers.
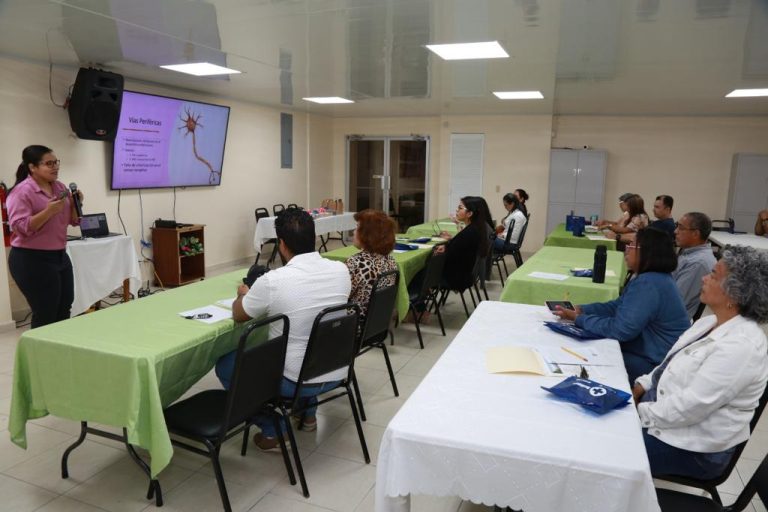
{"x": 172, "y": 268}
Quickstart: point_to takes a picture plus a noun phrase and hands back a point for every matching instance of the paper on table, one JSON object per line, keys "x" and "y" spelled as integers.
{"x": 548, "y": 275}
{"x": 399, "y": 251}
{"x": 597, "y": 237}
{"x": 514, "y": 360}
{"x": 225, "y": 303}
{"x": 424, "y": 246}
{"x": 217, "y": 313}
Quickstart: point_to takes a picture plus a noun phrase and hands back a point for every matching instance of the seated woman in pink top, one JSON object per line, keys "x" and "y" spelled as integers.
{"x": 39, "y": 209}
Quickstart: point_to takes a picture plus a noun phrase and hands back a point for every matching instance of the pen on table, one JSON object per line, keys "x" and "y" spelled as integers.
{"x": 575, "y": 354}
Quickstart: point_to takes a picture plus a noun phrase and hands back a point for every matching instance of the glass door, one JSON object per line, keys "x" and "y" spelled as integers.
{"x": 389, "y": 174}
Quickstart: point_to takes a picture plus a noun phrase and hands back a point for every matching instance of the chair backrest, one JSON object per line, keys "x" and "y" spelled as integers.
{"x": 728, "y": 225}
{"x": 523, "y": 231}
{"x": 261, "y": 213}
{"x": 509, "y": 231}
{"x": 380, "y": 307}
{"x": 699, "y": 311}
{"x": 292, "y": 206}
{"x": 433, "y": 273}
{"x": 258, "y": 372}
{"x": 757, "y": 484}
{"x": 278, "y": 209}
{"x": 332, "y": 343}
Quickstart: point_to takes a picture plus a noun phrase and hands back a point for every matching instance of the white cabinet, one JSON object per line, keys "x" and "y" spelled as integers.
{"x": 576, "y": 182}
{"x": 748, "y": 189}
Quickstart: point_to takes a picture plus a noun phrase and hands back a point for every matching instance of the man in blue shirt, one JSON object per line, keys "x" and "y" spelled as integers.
{"x": 662, "y": 210}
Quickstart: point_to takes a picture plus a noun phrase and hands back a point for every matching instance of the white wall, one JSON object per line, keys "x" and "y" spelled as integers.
{"x": 688, "y": 158}
{"x": 251, "y": 173}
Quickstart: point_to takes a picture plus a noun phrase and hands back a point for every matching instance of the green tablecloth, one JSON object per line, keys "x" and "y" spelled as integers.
{"x": 432, "y": 228}
{"x": 120, "y": 366}
{"x": 522, "y": 288}
{"x": 559, "y": 237}
{"x": 409, "y": 263}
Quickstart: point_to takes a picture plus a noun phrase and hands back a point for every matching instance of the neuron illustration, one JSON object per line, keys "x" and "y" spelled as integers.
{"x": 191, "y": 123}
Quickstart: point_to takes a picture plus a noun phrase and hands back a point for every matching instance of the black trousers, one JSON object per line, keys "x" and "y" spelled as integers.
{"x": 46, "y": 280}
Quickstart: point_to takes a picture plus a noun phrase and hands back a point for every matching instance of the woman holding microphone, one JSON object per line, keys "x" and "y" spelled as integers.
{"x": 39, "y": 209}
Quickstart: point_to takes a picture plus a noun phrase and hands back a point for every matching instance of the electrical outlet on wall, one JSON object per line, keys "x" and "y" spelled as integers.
{"x": 498, "y": 188}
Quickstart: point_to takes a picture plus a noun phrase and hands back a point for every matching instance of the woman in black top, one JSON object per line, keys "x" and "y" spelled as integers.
{"x": 472, "y": 242}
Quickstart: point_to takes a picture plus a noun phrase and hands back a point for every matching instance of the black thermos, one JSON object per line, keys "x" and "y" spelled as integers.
{"x": 598, "y": 268}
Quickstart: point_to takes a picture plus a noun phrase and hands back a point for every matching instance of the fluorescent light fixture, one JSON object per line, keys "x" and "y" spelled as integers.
{"x": 201, "y": 69}
{"x": 325, "y": 100}
{"x": 747, "y": 93}
{"x": 519, "y": 95}
{"x": 467, "y": 51}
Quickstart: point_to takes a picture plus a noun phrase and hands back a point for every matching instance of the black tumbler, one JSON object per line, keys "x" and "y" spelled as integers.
{"x": 598, "y": 268}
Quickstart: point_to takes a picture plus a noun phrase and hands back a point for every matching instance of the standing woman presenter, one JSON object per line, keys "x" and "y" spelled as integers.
{"x": 39, "y": 209}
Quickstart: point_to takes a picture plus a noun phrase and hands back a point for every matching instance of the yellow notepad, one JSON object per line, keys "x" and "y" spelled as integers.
{"x": 514, "y": 360}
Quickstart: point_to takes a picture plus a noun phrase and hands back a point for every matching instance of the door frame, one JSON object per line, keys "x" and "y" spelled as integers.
{"x": 386, "y": 163}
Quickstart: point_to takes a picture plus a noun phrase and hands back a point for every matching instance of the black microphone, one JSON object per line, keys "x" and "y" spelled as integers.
{"x": 76, "y": 199}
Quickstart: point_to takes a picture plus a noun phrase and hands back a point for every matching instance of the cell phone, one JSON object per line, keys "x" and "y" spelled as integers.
{"x": 565, "y": 304}
{"x": 62, "y": 194}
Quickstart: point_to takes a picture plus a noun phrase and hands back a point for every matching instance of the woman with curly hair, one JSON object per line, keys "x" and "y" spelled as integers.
{"x": 695, "y": 407}
{"x": 375, "y": 237}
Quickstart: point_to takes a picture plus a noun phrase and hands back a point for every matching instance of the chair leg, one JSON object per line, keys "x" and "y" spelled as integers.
{"x": 485, "y": 290}
{"x": 296, "y": 457}
{"x": 440, "y": 320}
{"x": 272, "y": 256}
{"x": 359, "y": 426}
{"x": 391, "y": 337}
{"x": 246, "y": 433}
{"x": 498, "y": 267}
{"x": 383, "y": 348}
{"x": 715, "y": 495}
{"x": 506, "y": 270}
{"x": 214, "y": 454}
{"x": 358, "y": 395}
{"x": 416, "y": 318}
{"x": 258, "y": 255}
{"x": 466, "y": 310}
{"x": 477, "y": 292}
{"x": 276, "y": 418}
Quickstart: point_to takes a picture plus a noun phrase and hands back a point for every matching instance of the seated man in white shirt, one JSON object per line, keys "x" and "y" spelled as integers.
{"x": 304, "y": 286}
{"x": 695, "y": 259}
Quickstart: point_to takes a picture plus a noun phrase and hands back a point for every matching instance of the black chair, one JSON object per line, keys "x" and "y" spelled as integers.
{"x": 375, "y": 328}
{"x": 262, "y": 213}
{"x": 213, "y": 416}
{"x": 428, "y": 294}
{"x": 277, "y": 209}
{"x": 728, "y": 225}
{"x": 510, "y": 248}
{"x": 497, "y": 258}
{"x": 293, "y": 206}
{"x": 675, "y": 501}
{"x": 711, "y": 485}
{"x": 477, "y": 269}
{"x": 699, "y": 311}
{"x": 333, "y": 344}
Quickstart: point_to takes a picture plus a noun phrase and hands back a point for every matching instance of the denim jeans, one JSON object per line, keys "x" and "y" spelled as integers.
{"x": 499, "y": 244}
{"x": 225, "y": 367}
{"x": 287, "y": 389}
{"x": 669, "y": 460}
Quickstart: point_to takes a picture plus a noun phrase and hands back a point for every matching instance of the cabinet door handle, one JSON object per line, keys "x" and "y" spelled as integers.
{"x": 574, "y": 171}
{"x": 578, "y": 171}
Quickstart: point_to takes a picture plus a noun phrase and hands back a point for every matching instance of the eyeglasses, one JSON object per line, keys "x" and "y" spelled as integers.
{"x": 51, "y": 163}
{"x": 683, "y": 228}
{"x": 461, "y": 207}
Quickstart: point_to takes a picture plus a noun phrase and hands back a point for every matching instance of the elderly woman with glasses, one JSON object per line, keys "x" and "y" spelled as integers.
{"x": 649, "y": 316}
{"x": 39, "y": 210}
{"x": 696, "y": 406}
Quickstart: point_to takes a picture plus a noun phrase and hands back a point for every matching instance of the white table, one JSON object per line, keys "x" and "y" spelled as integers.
{"x": 723, "y": 238}
{"x": 502, "y": 440}
{"x": 265, "y": 228}
{"x": 100, "y": 265}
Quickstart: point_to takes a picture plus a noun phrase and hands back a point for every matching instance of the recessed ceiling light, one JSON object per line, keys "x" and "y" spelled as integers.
{"x": 747, "y": 93}
{"x": 466, "y": 51}
{"x": 328, "y": 99}
{"x": 519, "y": 95}
{"x": 201, "y": 69}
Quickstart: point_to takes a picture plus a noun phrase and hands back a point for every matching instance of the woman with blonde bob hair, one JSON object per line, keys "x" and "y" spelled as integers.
{"x": 375, "y": 237}
{"x": 696, "y": 406}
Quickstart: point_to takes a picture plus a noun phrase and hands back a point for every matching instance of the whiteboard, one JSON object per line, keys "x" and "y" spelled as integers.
{"x": 466, "y": 167}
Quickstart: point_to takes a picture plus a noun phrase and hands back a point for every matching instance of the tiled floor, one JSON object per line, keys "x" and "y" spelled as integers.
{"x": 102, "y": 477}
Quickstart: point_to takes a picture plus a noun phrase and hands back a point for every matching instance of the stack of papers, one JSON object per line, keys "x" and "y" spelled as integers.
{"x": 548, "y": 275}
{"x": 515, "y": 359}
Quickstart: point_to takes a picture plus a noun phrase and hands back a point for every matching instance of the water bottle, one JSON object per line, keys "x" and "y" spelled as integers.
{"x": 598, "y": 268}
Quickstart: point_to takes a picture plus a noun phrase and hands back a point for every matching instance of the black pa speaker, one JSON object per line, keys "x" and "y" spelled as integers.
{"x": 94, "y": 108}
